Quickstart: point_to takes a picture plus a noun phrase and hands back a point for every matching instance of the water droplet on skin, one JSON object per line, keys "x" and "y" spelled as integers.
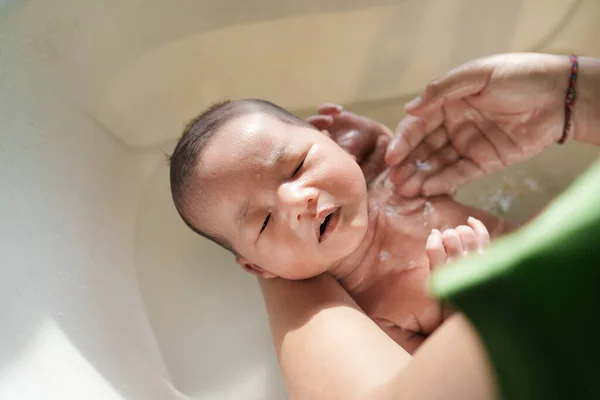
{"x": 384, "y": 255}
{"x": 428, "y": 209}
{"x": 423, "y": 165}
{"x": 387, "y": 184}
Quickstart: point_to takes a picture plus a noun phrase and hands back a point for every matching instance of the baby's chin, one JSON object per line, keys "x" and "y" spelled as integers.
{"x": 356, "y": 229}
{"x": 309, "y": 268}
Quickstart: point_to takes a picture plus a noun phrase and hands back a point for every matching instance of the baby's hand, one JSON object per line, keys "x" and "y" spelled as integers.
{"x": 443, "y": 247}
{"x": 363, "y": 138}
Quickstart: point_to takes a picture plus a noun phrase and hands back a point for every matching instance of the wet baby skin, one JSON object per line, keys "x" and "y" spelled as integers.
{"x": 292, "y": 204}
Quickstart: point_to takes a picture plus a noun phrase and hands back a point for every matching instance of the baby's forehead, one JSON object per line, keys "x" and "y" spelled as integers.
{"x": 213, "y": 202}
{"x": 250, "y": 141}
{"x": 236, "y": 163}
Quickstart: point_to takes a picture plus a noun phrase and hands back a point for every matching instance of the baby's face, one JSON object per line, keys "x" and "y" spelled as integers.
{"x": 287, "y": 198}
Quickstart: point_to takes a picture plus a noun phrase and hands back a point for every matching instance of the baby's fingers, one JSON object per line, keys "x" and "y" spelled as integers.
{"x": 321, "y": 122}
{"x": 452, "y": 243}
{"x": 330, "y": 109}
{"x": 435, "y": 249}
{"x": 483, "y": 235}
{"x": 469, "y": 239}
{"x": 374, "y": 163}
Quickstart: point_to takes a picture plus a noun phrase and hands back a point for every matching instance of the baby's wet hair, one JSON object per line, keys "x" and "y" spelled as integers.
{"x": 194, "y": 141}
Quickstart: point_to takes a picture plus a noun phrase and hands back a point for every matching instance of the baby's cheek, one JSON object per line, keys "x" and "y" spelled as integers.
{"x": 295, "y": 263}
{"x": 348, "y": 172}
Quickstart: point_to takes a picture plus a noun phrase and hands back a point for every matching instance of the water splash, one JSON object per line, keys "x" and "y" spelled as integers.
{"x": 531, "y": 184}
{"x": 500, "y": 202}
{"x": 504, "y": 203}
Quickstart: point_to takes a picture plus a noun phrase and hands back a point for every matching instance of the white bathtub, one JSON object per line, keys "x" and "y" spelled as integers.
{"x": 104, "y": 294}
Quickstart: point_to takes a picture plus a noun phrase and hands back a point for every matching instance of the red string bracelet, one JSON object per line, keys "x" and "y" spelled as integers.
{"x": 570, "y": 98}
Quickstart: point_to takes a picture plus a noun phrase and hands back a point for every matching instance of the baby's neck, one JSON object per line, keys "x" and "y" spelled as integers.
{"x": 408, "y": 223}
{"x": 364, "y": 260}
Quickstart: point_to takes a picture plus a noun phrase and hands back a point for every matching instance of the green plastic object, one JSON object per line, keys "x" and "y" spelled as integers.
{"x": 534, "y": 298}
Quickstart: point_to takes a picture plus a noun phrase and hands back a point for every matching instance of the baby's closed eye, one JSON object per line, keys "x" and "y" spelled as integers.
{"x": 265, "y": 223}
{"x": 298, "y": 167}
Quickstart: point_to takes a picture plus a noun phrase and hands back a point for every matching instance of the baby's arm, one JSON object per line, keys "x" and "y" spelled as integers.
{"x": 408, "y": 340}
{"x": 443, "y": 247}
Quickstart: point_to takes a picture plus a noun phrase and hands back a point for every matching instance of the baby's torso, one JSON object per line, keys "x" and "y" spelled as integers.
{"x": 393, "y": 289}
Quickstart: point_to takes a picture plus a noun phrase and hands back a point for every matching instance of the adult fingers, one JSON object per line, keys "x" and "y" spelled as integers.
{"x": 418, "y": 160}
{"x": 409, "y": 176}
{"x": 451, "y": 178}
{"x": 466, "y": 80}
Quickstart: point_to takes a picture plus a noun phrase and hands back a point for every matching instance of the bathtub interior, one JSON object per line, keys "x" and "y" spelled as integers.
{"x": 104, "y": 293}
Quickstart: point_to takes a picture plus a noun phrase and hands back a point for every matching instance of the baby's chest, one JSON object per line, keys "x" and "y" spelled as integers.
{"x": 400, "y": 298}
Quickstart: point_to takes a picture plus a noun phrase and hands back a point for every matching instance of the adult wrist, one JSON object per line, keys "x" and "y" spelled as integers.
{"x": 586, "y": 111}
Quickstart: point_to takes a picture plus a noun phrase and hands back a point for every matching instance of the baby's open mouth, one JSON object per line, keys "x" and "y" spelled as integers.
{"x": 324, "y": 224}
{"x": 328, "y": 225}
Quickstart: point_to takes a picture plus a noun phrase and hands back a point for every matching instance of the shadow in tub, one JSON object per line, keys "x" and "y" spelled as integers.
{"x": 207, "y": 315}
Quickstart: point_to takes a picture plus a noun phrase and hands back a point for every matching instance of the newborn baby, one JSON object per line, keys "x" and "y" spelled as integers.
{"x": 288, "y": 202}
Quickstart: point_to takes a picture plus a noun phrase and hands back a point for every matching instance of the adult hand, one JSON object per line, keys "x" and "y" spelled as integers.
{"x": 479, "y": 118}
{"x": 364, "y": 139}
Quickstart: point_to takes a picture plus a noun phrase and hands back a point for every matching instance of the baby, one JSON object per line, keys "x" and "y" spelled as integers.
{"x": 288, "y": 202}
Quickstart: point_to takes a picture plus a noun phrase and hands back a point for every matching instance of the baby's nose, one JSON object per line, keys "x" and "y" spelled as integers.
{"x": 298, "y": 201}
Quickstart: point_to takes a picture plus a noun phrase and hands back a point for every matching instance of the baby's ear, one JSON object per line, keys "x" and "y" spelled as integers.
{"x": 254, "y": 269}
